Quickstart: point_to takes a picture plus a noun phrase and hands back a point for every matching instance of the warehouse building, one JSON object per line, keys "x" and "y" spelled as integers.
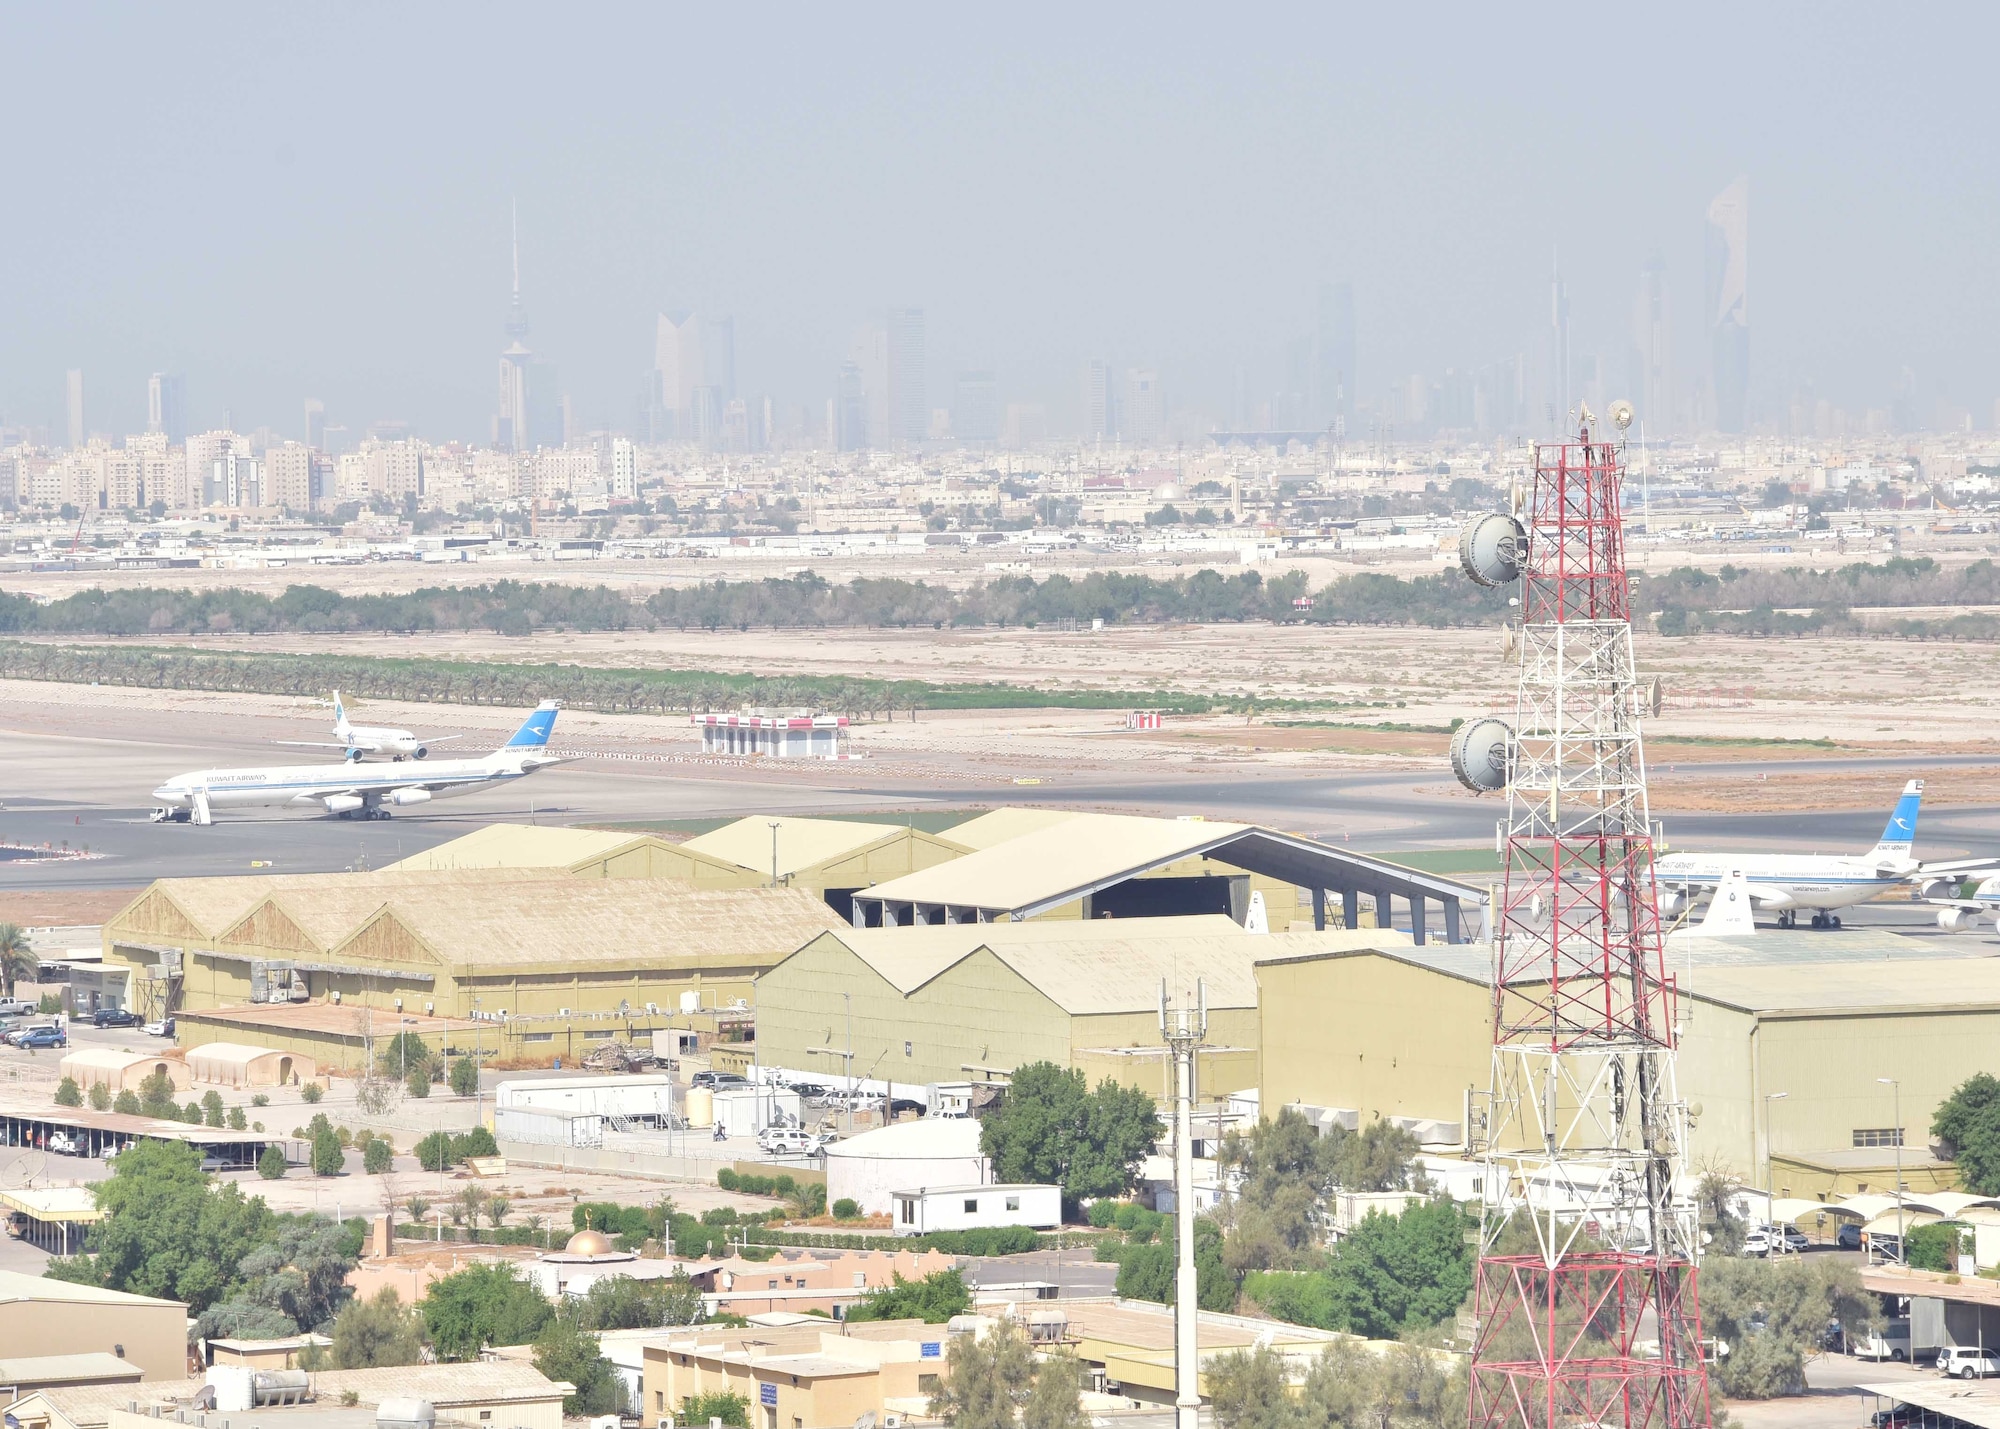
{"x": 972, "y": 1001}
{"x": 1804, "y": 1056}
{"x": 1043, "y": 863}
{"x": 545, "y": 962}
{"x": 829, "y": 858}
{"x": 119, "y": 1070}
{"x": 40, "y": 1317}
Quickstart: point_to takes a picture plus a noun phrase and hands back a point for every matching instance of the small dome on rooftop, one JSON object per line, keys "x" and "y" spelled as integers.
{"x": 590, "y": 1242}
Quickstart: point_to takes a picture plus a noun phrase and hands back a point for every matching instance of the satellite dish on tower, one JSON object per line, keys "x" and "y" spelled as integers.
{"x": 1621, "y": 414}
{"x": 1491, "y": 548}
{"x": 1482, "y": 754}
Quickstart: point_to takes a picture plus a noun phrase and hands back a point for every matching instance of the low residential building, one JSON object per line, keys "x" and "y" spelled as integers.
{"x": 797, "y": 1376}
{"x": 502, "y": 1394}
{"x": 266, "y": 1354}
{"x": 935, "y": 1151}
{"x": 924, "y": 1209}
{"x": 23, "y": 1375}
{"x": 805, "y": 1280}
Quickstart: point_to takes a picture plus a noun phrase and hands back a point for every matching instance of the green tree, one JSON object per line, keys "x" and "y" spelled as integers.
{"x": 272, "y": 1165}
{"x": 1772, "y": 1315}
{"x": 156, "y": 1097}
{"x": 934, "y": 1299}
{"x": 476, "y": 1142}
{"x": 100, "y": 1096}
{"x": 1056, "y": 1401}
{"x": 1146, "y": 1270}
{"x": 1967, "y": 1127}
{"x": 987, "y": 1377}
{"x": 211, "y": 1108}
{"x": 68, "y": 1093}
{"x": 619, "y": 1302}
{"x": 731, "y": 1409}
{"x": 327, "y": 1157}
{"x": 237, "y": 1121}
{"x": 311, "y": 1092}
{"x": 167, "y": 1231}
{"x": 563, "y": 1351}
{"x": 372, "y": 1334}
{"x": 1247, "y": 1390}
{"x": 296, "y": 1279}
{"x": 18, "y": 959}
{"x": 404, "y": 1055}
{"x": 378, "y": 1158}
{"x": 1390, "y": 1275}
{"x": 464, "y": 1077}
{"x": 418, "y": 1083}
{"x": 1051, "y": 1129}
{"x": 433, "y": 1152}
{"x": 126, "y": 1103}
{"x": 482, "y": 1305}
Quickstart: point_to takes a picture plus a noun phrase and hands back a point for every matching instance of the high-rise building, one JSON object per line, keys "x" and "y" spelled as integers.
{"x": 1561, "y": 397}
{"x": 1335, "y": 372}
{"x": 75, "y": 395}
{"x": 975, "y": 414}
{"x": 1650, "y": 380}
{"x": 850, "y": 421}
{"x": 694, "y": 369}
{"x": 1143, "y": 416}
{"x": 297, "y": 478}
{"x": 624, "y": 470}
{"x": 1100, "y": 418}
{"x": 166, "y": 406}
{"x": 316, "y": 424}
{"x": 530, "y": 409}
{"x": 1728, "y": 312}
{"x": 909, "y": 413}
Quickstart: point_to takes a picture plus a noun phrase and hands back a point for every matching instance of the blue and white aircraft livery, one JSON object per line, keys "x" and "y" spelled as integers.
{"x": 361, "y": 739}
{"x": 355, "y": 790}
{"x": 1785, "y": 883}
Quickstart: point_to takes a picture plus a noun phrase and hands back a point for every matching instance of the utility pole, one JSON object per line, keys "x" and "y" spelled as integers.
{"x": 1896, "y": 1089}
{"x": 1184, "y": 1030}
{"x": 774, "y": 853}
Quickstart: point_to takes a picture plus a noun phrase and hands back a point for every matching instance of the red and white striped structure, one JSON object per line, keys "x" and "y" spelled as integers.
{"x": 777, "y": 736}
{"x": 1585, "y": 1296}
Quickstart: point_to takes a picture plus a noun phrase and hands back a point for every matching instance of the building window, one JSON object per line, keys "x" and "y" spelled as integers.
{"x": 928, "y": 1384}
{"x": 660, "y": 1401}
{"x": 1873, "y": 1136}
{"x": 1013, "y": 1203}
{"x": 909, "y": 1212}
{"x": 971, "y": 1205}
{"x": 909, "y": 1049}
{"x": 538, "y": 1036}
{"x": 485, "y": 1414}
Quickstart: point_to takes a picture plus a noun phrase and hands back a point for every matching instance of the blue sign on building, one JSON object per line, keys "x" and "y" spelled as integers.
{"x": 930, "y": 1349}
{"x": 768, "y": 1394}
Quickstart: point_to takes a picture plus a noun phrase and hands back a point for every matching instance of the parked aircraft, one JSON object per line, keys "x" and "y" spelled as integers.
{"x": 363, "y": 739}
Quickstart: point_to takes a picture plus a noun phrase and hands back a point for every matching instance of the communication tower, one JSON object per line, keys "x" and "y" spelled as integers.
{"x": 1585, "y": 1302}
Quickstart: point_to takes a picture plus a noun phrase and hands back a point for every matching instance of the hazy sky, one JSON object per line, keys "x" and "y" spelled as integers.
{"x": 291, "y": 201}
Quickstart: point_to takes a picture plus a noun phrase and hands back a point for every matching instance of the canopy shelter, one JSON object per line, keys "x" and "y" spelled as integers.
{"x": 1103, "y": 861}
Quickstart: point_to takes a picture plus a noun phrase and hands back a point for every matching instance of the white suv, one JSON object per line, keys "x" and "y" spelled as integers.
{"x": 1968, "y": 1362}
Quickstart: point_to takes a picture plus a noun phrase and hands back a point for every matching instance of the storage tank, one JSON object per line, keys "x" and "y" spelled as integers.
{"x": 280, "y": 1386}
{"x": 231, "y": 1383}
{"x": 403, "y": 1411}
{"x": 701, "y": 1106}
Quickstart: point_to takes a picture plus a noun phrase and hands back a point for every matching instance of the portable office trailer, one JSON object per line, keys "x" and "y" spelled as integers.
{"x": 961, "y": 1208}
{"x": 647, "y": 1098}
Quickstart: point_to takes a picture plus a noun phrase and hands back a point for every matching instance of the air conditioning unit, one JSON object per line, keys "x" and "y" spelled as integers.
{"x": 562, "y": 1012}
{"x": 652, "y": 1009}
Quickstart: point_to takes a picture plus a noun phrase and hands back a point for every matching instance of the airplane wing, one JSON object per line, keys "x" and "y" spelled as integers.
{"x": 313, "y": 744}
{"x": 443, "y": 739}
{"x": 1964, "y": 867}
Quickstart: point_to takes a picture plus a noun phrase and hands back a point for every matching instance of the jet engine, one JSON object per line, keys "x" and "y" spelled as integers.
{"x": 1953, "y": 920}
{"x": 354, "y": 753}
{"x": 420, "y": 751}
{"x": 344, "y": 803}
{"x": 410, "y": 796}
{"x": 1672, "y": 900}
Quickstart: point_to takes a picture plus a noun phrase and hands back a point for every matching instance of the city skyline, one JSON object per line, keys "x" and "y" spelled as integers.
{"x": 1042, "y": 210}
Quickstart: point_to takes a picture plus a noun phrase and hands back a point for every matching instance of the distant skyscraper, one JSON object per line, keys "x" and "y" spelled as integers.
{"x": 166, "y": 407}
{"x": 1561, "y": 399}
{"x": 850, "y": 419}
{"x": 694, "y": 362}
{"x": 1335, "y": 394}
{"x": 1728, "y": 311}
{"x": 975, "y": 415}
{"x": 316, "y": 424}
{"x": 75, "y": 392}
{"x": 530, "y": 411}
{"x": 1099, "y": 419}
{"x": 1650, "y": 380}
{"x": 909, "y": 414}
{"x": 1143, "y": 418}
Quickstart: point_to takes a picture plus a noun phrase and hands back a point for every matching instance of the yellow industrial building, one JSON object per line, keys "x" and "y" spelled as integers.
{"x": 1787, "y": 1038}
{"x": 548, "y": 957}
{"x": 973, "y": 1001}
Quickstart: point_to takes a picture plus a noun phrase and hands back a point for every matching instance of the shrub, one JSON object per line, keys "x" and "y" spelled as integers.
{"x": 377, "y": 1158}
{"x": 237, "y": 1121}
{"x": 310, "y": 1093}
{"x": 731, "y": 1409}
{"x": 271, "y": 1165}
{"x": 433, "y": 1153}
{"x": 126, "y": 1103}
{"x": 476, "y": 1142}
{"x": 49, "y": 1005}
{"x": 192, "y": 1114}
{"x": 419, "y": 1084}
{"x": 327, "y": 1158}
{"x": 846, "y": 1209}
{"x": 68, "y": 1093}
{"x": 211, "y": 1108}
{"x": 464, "y": 1077}
{"x": 100, "y": 1097}
{"x": 261, "y": 1099}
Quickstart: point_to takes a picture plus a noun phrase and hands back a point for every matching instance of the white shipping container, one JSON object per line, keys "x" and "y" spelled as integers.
{"x": 959, "y": 1208}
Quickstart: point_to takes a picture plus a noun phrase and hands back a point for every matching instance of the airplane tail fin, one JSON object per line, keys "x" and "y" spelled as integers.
{"x": 1901, "y": 833}
{"x": 1730, "y": 914}
{"x": 535, "y": 730}
{"x": 339, "y": 714}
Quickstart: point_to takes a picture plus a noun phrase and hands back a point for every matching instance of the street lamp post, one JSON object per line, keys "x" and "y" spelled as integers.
{"x": 1896, "y": 1090}
{"x": 774, "y": 852}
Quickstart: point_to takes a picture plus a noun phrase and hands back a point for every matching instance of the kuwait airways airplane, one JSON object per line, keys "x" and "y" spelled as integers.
{"x": 354, "y": 790}
{"x": 360, "y": 739}
{"x": 1784, "y": 883}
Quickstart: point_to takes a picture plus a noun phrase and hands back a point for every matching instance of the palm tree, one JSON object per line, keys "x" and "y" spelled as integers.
{"x": 17, "y": 958}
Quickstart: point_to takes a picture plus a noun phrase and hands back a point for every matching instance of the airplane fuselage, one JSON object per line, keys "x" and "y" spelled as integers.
{"x": 1782, "y": 882}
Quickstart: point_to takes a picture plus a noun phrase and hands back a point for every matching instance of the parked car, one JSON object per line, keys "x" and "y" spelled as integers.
{"x": 788, "y": 1141}
{"x": 1785, "y": 1238}
{"x": 63, "y": 1144}
{"x": 716, "y": 1080}
{"x": 116, "y": 1017}
{"x": 1968, "y": 1362}
{"x": 1848, "y": 1237}
{"x": 163, "y": 1028}
{"x": 18, "y": 1007}
{"x": 33, "y": 1038}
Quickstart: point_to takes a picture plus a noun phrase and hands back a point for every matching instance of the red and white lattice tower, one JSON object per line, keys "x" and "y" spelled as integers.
{"x": 1585, "y": 1296}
